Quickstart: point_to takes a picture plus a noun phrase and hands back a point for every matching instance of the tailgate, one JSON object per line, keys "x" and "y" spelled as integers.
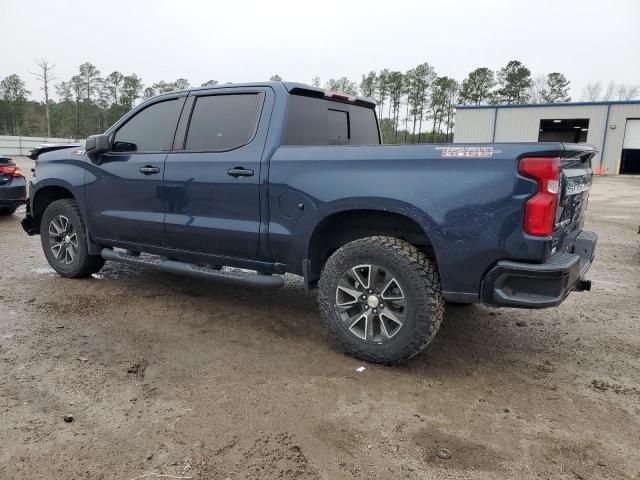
{"x": 575, "y": 184}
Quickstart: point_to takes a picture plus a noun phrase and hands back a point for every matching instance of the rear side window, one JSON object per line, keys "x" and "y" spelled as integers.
{"x": 222, "y": 122}
{"x": 317, "y": 121}
{"x": 150, "y": 130}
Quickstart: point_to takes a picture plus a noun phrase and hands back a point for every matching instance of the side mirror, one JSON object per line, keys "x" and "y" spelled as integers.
{"x": 96, "y": 145}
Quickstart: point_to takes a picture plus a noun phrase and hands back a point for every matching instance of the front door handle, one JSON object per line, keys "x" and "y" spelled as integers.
{"x": 149, "y": 170}
{"x": 240, "y": 172}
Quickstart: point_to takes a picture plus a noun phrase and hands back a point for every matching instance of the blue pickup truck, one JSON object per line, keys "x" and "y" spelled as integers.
{"x": 244, "y": 183}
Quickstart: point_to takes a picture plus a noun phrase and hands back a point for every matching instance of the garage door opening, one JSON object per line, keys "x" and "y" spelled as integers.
{"x": 630, "y": 158}
{"x": 630, "y": 162}
{"x": 571, "y": 130}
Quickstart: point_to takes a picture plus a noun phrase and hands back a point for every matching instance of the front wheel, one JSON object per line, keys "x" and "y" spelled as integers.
{"x": 64, "y": 241}
{"x": 381, "y": 298}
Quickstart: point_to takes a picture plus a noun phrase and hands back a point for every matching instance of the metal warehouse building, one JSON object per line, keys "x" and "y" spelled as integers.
{"x": 612, "y": 127}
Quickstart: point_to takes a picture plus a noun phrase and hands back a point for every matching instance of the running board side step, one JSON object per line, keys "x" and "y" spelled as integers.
{"x": 182, "y": 268}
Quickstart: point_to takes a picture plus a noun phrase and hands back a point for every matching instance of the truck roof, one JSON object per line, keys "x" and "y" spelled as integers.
{"x": 298, "y": 88}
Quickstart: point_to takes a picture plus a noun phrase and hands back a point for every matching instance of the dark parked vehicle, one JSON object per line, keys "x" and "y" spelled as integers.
{"x": 283, "y": 177}
{"x": 13, "y": 186}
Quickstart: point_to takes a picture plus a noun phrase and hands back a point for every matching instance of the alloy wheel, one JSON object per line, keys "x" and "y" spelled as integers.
{"x": 371, "y": 303}
{"x": 63, "y": 239}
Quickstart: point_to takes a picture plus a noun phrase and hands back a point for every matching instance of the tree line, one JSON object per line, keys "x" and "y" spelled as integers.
{"x": 414, "y": 106}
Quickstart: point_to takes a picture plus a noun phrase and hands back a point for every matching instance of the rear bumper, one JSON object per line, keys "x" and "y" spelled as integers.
{"x": 527, "y": 285}
{"x": 13, "y": 194}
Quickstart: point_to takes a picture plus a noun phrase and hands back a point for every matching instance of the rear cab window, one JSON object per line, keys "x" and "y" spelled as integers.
{"x": 223, "y": 122}
{"x": 320, "y": 121}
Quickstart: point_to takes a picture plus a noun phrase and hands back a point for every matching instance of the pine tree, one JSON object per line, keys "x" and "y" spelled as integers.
{"x": 514, "y": 80}
{"x": 556, "y": 88}
{"x": 477, "y": 88}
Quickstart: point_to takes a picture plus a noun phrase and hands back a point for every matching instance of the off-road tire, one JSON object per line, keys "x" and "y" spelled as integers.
{"x": 421, "y": 286}
{"x": 7, "y": 211}
{"x": 83, "y": 264}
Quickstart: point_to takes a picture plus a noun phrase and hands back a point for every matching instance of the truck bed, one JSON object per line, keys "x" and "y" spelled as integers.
{"x": 469, "y": 199}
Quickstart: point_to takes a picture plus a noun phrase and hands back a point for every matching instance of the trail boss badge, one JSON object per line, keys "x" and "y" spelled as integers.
{"x": 467, "y": 151}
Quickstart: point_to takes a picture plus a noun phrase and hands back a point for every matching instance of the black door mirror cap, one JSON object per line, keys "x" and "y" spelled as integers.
{"x": 97, "y": 145}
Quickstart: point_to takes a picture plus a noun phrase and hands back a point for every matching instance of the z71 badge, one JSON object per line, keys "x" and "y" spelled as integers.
{"x": 467, "y": 151}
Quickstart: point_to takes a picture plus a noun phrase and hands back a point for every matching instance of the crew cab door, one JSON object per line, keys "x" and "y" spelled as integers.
{"x": 212, "y": 177}
{"x": 123, "y": 189}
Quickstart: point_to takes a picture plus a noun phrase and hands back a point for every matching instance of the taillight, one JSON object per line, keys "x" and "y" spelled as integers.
{"x": 540, "y": 210}
{"x": 12, "y": 170}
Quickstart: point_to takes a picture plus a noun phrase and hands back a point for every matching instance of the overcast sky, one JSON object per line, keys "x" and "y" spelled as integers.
{"x": 242, "y": 40}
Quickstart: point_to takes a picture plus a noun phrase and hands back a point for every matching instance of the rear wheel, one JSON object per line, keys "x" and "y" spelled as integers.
{"x": 381, "y": 298}
{"x": 7, "y": 210}
{"x": 64, "y": 241}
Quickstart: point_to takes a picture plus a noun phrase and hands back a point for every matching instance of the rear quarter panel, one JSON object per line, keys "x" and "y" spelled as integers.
{"x": 471, "y": 208}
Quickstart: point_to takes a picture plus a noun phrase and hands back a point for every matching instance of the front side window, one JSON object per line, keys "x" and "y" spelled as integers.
{"x": 222, "y": 122}
{"x": 150, "y": 130}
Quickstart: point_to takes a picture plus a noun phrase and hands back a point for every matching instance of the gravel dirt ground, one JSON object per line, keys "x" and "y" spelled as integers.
{"x": 175, "y": 376}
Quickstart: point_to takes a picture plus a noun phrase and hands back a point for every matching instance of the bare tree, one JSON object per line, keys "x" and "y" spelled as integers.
{"x": 536, "y": 90}
{"x": 46, "y": 77}
{"x": 621, "y": 91}
{"x": 614, "y": 91}
{"x": 627, "y": 92}
{"x": 591, "y": 92}
{"x": 609, "y": 92}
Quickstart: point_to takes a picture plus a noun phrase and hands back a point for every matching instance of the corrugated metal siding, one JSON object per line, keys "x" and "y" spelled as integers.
{"x": 612, "y": 151}
{"x": 474, "y": 125}
{"x": 522, "y": 124}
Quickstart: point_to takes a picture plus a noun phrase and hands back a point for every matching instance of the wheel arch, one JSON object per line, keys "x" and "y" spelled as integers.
{"x": 43, "y": 197}
{"x": 344, "y": 226}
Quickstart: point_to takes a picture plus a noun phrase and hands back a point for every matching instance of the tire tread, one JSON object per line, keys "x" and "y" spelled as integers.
{"x": 88, "y": 264}
{"x": 429, "y": 310}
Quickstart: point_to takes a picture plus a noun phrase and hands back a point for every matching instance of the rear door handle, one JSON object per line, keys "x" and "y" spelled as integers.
{"x": 240, "y": 172}
{"x": 149, "y": 170}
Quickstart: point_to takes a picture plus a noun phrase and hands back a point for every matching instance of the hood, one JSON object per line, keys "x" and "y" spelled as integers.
{"x": 51, "y": 147}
